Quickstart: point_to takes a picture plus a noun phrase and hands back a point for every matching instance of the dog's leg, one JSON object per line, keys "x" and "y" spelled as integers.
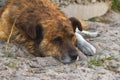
{"x": 3, "y": 35}
{"x": 84, "y": 46}
{"x": 5, "y": 27}
{"x": 88, "y": 33}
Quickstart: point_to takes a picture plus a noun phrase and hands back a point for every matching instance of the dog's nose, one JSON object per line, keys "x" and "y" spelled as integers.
{"x": 73, "y": 56}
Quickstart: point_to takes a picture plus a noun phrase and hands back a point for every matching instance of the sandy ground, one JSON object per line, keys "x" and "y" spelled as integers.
{"x": 17, "y": 64}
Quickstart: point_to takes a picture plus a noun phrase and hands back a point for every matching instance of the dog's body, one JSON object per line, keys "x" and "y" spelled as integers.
{"x": 41, "y": 27}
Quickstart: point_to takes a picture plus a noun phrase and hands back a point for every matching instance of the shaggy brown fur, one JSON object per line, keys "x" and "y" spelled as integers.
{"x": 40, "y": 26}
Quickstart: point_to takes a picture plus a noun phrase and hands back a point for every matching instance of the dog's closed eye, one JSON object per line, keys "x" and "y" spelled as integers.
{"x": 57, "y": 39}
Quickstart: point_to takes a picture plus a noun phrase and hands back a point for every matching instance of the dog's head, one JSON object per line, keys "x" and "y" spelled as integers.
{"x": 56, "y": 38}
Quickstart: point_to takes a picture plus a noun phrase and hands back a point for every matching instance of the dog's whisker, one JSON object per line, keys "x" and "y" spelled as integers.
{"x": 77, "y": 59}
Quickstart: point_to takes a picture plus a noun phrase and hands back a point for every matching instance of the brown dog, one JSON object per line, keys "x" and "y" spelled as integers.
{"x": 41, "y": 27}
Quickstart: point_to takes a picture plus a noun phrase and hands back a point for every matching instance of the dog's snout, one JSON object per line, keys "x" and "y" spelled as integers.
{"x": 69, "y": 58}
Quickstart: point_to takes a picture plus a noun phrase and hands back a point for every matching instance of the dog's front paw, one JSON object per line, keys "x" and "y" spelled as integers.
{"x": 84, "y": 46}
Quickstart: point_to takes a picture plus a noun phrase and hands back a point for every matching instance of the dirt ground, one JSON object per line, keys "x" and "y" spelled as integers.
{"x": 17, "y": 64}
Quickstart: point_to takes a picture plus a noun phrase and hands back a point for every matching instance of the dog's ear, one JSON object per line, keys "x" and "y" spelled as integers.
{"x": 75, "y": 23}
{"x": 35, "y": 32}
